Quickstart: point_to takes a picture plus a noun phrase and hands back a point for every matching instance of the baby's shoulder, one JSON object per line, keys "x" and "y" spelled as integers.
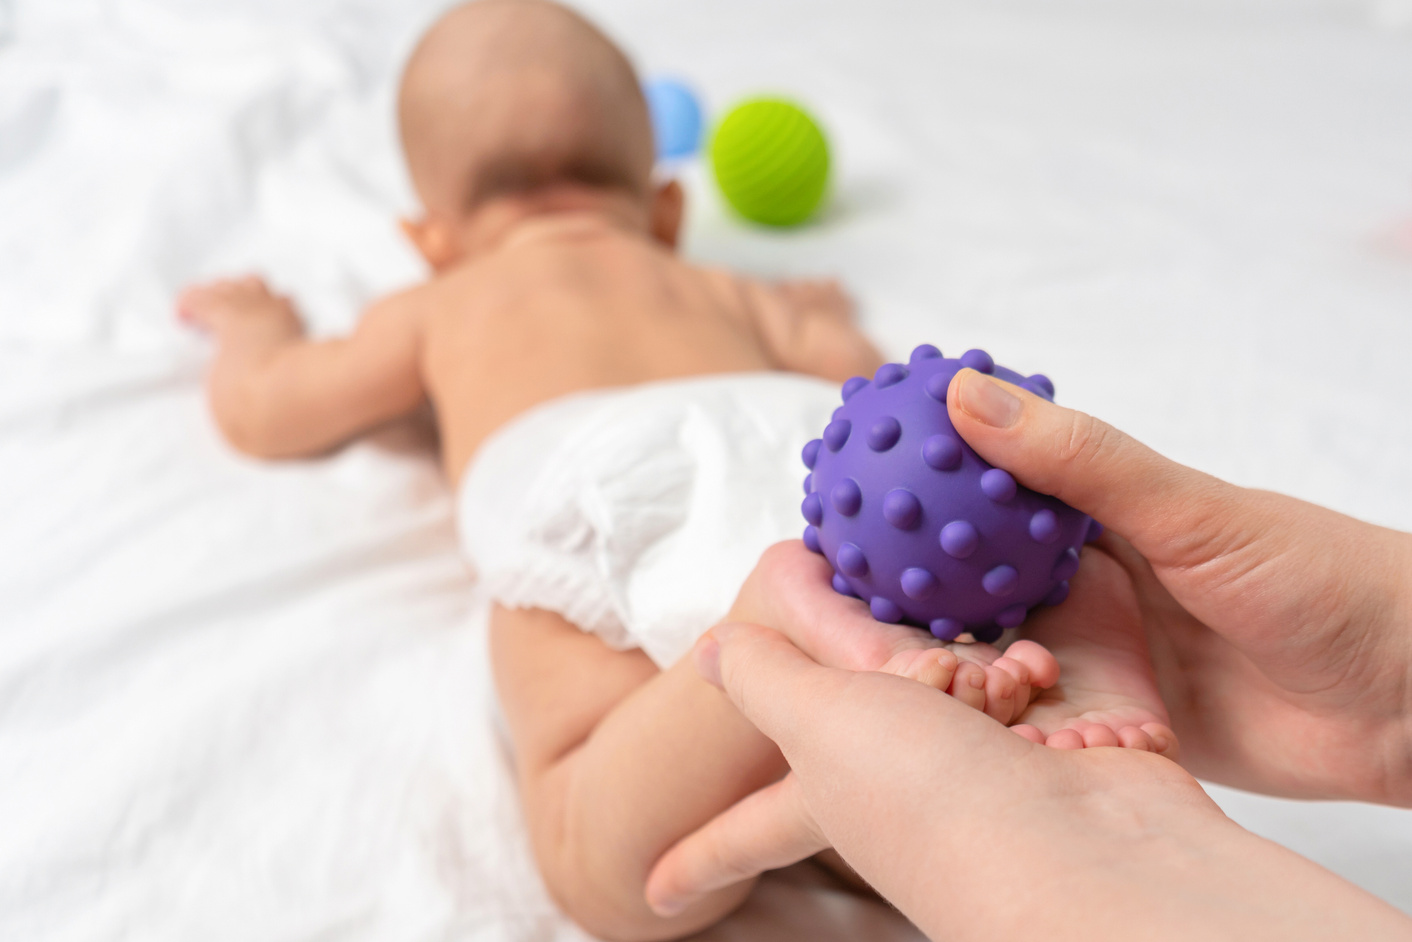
{"x": 409, "y": 303}
{"x": 448, "y": 289}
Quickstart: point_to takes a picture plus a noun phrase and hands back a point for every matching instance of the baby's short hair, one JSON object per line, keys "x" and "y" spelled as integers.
{"x": 503, "y": 97}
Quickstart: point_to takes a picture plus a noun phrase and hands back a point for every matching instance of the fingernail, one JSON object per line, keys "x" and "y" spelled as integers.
{"x": 987, "y": 400}
{"x": 707, "y": 658}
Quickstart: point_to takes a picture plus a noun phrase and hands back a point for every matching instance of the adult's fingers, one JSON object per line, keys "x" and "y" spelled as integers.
{"x": 765, "y": 831}
{"x": 835, "y": 724}
{"x": 771, "y": 681}
{"x": 870, "y": 751}
{"x": 790, "y": 591}
{"x": 1169, "y": 512}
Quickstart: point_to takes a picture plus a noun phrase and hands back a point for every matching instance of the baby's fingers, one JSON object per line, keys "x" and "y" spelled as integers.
{"x": 192, "y": 305}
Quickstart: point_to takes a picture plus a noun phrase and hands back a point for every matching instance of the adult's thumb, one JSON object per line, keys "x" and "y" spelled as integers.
{"x": 773, "y": 683}
{"x": 1169, "y": 512}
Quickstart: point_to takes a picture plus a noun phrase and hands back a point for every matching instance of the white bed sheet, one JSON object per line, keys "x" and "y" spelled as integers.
{"x": 249, "y": 701}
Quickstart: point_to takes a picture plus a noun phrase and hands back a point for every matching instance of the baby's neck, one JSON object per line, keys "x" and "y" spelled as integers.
{"x": 563, "y": 210}
{"x": 567, "y": 224}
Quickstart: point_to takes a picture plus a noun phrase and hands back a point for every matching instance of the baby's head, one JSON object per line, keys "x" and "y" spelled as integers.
{"x": 513, "y": 108}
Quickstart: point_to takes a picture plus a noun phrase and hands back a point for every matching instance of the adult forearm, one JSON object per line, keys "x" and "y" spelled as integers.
{"x": 1184, "y": 873}
{"x": 975, "y": 833}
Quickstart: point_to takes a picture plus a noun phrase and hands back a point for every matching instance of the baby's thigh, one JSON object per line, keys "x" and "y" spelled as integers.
{"x": 555, "y": 681}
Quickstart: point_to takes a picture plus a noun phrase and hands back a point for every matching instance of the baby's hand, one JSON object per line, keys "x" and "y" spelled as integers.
{"x": 242, "y": 309}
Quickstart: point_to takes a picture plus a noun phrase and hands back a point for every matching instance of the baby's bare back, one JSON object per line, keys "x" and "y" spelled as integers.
{"x": 568, "y": 308}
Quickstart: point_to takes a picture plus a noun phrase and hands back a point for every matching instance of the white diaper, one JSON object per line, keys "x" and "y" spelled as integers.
{"x": 636, "y": 513}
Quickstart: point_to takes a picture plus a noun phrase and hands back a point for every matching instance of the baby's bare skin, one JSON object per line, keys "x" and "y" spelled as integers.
{"x": 554, "y": 271}
{"x": 570, "y": 302}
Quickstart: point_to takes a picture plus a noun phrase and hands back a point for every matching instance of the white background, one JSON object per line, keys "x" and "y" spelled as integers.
{"x": 246, "y": 701}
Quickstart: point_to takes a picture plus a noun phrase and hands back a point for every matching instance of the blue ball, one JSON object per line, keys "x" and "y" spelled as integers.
{"x": 676, "y": 117}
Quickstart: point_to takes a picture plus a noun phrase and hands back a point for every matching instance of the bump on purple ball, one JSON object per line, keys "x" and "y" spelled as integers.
{"x": 942, "y": 452}
{"x": 901, "y": 508}
{"x": 978, "y": 360}
{"x": 998, "y": 485}
{"x": 919, "y": 525}
{"x": 889, "y": 374}
{"x": 846, "y": 497}
{"x": 837, "y": 433}
{"x": 884, "y": 433}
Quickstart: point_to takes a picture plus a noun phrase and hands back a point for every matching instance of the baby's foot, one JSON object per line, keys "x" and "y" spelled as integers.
{"x": 999, "y": 685}
{"x": 240, "y": 306}
{"x": 1108, "y": 696}
{"x": 791, "y": 587}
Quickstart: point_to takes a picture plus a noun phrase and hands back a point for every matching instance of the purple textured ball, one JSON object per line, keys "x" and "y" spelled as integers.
{"x": 918, "y": 525}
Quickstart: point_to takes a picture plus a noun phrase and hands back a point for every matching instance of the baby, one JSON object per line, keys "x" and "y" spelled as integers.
{"x": 624, "y": 429}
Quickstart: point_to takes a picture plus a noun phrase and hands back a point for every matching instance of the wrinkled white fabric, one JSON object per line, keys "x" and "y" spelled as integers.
{"x": 248, "y": 701}
{"x": 637, "y": 513}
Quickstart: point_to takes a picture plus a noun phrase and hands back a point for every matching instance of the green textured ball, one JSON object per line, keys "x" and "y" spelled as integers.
{"x": 771, "y": 161}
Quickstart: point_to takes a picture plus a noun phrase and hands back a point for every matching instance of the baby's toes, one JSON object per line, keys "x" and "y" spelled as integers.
{"x": 1023, "y": 691}
{"x": 1014, "y": 668}
{"x": 934, "y": 667}
{"x": 1133, "y": 737}
{"x": 1026, "y": 731}
{"x": 1096, "y": 735}
{"x": 1042, "y": 666}
{"x": 1164, "y": 741}
{"x": 1065, "y": 739}
{"x": 1081, "y": 734}
{"x": 968, "y": 685}
{"x": 1000, "y": 695}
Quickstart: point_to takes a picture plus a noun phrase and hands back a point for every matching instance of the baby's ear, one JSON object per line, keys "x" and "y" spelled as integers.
{"x": 436, "y": 241}
{"x": 668, "y": 207}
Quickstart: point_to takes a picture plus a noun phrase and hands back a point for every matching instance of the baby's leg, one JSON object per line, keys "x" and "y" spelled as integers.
{"x": 617, "y": 761}
{"x": 1108, "y": 693}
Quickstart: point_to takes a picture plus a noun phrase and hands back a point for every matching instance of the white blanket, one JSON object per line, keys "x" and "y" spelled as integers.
{"x": 246, "y": 701}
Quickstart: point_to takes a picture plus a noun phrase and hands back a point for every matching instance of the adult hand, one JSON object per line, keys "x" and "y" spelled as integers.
{"x": 1281, "y": 631}
{"x": 1107, "y": 696}
{"x": 789, "y": 590}
{"x": 974, "y": 832}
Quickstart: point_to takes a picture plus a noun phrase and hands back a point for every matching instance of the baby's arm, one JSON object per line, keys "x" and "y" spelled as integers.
{"x": 277, "y": 394}
{"x": 809, "y": 327}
